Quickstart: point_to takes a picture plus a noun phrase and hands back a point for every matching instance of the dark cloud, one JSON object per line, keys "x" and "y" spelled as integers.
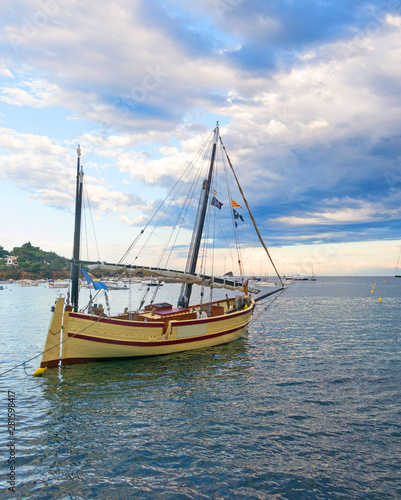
{"x": 332, "y": 136}
{"x": 266, "y": 34}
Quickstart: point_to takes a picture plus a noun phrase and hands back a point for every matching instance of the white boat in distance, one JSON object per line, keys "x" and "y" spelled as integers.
{"x": 58, "y": 284}
{"x": 261, "y": 283}
{"x": 25, "y": 282}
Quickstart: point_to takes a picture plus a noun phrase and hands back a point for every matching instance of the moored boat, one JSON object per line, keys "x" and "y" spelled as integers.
{"x": 117, "y": 286}
{"x": 262, "y": 283}
{"x": 89, "y": 334}
{"x": 297, "y": 277}
{"x": 58, "y": 284}
{"x": 25, "y": 282}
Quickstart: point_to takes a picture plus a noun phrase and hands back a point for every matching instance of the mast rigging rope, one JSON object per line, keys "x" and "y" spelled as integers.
{"x": 250, "y": 214}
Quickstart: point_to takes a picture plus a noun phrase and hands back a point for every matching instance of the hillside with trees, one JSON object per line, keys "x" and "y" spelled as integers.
{"x": 33, "y": 263}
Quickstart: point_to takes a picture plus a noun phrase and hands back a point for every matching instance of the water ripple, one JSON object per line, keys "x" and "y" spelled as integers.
{"x": 307, "y": 407}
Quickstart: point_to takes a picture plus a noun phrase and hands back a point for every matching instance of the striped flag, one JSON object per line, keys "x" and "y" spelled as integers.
{"x": 236, "y": 205}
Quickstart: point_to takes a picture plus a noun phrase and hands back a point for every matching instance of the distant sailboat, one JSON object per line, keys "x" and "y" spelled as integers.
{"x": 397, "y": 274}
{"x": 313, "y": 277}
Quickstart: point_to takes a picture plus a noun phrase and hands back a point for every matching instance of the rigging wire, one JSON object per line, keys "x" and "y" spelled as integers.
{"x": 86, "y": 198}
{"x": 229, "y": 248}
{"x": 177, "y": 233}
{"x": 155, "y": 292}
{"x": 235, "y": 231}
{"x": 167, "y": 206}
{"x": 250, "y": 214}
{"x": 144, "y": 297}
{"x": 181, "y": 217}
{"x": 186, "y": 171}
{"x": 263, "y": 309}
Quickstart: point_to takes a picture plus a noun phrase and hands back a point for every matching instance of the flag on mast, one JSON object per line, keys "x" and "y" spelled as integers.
{"x": 235, "y": 204}
{"x": 90, "y": 279}
{"x": 237, "y": 215}
{"x": 216, "y": 203}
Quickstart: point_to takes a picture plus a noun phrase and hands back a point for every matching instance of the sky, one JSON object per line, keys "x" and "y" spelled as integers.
{"x": 307, "y": 94}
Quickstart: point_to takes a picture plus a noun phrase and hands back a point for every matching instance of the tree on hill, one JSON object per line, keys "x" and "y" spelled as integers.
{"x": 27, "y": 253}
{"x": 3, "y": 253}
{"x": 39, "y": 263}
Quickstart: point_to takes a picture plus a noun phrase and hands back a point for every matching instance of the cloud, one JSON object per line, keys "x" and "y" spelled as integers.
{"x": 156, "y": 76}
{"x": 4, "y": 71}
{"x": 308, "y": 94}
{"x": 365, "y": 212}
{"x": 37, "y": 94}
{"x": 33, "y": 161}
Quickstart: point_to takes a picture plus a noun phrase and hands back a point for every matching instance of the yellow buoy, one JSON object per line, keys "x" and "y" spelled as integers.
{"x": 380, "y": 299}
{"x": 371, "y": 291}
{"x": 39, "y": 372}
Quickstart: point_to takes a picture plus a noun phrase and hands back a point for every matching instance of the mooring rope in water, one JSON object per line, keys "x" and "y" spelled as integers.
{"x": 47, "y": 350}
{"x": 262, "y": 310}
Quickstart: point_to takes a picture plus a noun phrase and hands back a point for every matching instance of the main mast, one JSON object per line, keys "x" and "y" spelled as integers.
{"x": 75, "y": 268}
{"x": 199, "y": 223}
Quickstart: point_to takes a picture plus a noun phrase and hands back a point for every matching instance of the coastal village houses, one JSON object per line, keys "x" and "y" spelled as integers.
{"x": 11, "y": 260}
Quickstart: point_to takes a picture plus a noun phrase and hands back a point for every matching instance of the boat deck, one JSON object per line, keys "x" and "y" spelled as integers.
{"x": 165, "y": 312}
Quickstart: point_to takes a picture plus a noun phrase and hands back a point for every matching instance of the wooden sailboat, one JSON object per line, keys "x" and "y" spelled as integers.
{"x": 77, "y": 336}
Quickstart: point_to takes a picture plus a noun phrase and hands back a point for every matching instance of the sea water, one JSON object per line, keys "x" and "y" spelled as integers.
{"x": 308, "y": 406}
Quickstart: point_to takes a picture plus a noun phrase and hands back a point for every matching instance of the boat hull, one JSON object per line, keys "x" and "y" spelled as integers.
{"x": 90, "y": 338}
